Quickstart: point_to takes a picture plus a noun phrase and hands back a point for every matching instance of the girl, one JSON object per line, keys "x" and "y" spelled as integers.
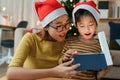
{"x": 86, "y": 19}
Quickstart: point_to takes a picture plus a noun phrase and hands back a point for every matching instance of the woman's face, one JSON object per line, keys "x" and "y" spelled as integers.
{"x": 86, "y": 27}
{"x": 59, "y": 27}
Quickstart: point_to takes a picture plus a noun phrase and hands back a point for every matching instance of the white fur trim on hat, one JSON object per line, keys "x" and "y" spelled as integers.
{"x": 53, "y": 15}
{"x": 89, "y": 8}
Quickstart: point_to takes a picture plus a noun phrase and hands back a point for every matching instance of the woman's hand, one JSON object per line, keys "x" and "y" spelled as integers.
{"x": 68, "y": 55}
{"x": 64, "y": 70}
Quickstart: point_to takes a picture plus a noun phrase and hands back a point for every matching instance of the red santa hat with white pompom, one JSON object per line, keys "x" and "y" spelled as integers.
{"x": 89, "y": 6}
{"x": 49, "y": 10}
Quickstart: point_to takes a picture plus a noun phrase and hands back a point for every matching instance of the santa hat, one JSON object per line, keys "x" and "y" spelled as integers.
{"x": 49, "y": 10}
{"x": 89, "y": 6}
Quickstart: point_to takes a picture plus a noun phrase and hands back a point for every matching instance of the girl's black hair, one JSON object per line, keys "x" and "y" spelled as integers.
{"x": 80, "y": 13}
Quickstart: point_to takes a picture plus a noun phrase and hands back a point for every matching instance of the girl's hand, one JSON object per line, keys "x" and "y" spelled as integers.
{"x": 64, "y": 70}
{"x": 68, "y": 55}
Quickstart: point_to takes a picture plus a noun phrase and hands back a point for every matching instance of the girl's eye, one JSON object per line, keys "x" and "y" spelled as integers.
{"x": 91, "y": 25}
{"x": 81, "y": 26}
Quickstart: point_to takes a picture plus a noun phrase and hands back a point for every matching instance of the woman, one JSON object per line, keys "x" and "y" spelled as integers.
{"x": 38, "y": 53}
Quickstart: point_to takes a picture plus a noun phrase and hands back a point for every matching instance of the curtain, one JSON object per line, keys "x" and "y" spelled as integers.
{"x": 17, "y": 10}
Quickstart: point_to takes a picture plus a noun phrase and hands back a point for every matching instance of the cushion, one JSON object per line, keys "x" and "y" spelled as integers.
{"x": 114, "y": 34}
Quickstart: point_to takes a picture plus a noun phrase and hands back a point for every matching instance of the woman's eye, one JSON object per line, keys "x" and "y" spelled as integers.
{"x": 59, "y": 26}
{"x": 68, "y": 24}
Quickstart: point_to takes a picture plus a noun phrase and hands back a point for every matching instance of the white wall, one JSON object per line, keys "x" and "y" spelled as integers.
{"x": 18, "y": 10}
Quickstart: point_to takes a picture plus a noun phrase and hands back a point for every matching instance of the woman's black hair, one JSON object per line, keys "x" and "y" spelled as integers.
{"x": 80, "y": 13}
{"x": 46, "y": 35}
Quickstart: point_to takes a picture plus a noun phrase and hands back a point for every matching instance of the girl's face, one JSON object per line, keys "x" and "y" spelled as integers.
{"x": 59, "y": 27}
{"x": 86, "y": 27}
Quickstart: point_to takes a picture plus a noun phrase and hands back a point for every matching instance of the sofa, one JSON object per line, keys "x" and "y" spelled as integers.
{"x": 19, "y": 33}
{"x": 114, "y": 72}
{"x": 103, "y": 26}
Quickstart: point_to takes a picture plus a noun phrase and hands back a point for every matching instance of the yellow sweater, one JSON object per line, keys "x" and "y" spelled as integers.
{"x": 34, "y": 52}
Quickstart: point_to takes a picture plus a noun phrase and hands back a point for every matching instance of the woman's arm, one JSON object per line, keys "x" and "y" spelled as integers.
{"x": 19, "y": 73}
{"x": 62, "y": 70}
